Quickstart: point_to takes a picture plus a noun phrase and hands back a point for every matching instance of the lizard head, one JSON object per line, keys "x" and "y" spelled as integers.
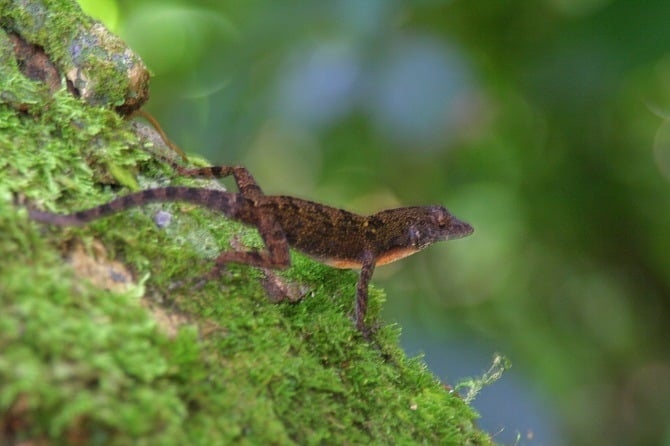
{"x": 410, "y": 229}
{"x": 430, "y": 224}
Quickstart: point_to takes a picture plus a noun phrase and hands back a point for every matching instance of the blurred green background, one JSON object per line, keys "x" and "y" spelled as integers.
{"x": 544, "y": 123}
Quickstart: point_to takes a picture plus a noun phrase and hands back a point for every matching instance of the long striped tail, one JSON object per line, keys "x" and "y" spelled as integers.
{"x": 217, "y": 200}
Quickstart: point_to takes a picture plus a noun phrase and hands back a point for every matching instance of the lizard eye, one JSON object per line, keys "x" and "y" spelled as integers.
{"x": 442, "y": 218}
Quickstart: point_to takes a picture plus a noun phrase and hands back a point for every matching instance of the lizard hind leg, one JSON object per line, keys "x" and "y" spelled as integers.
{"x": 243, "y": 179}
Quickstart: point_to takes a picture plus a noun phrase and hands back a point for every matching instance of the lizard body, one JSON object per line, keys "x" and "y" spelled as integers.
{"x": 330, "y": 235}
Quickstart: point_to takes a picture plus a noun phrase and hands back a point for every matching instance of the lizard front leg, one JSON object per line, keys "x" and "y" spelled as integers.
{"x": 361, "y": 306}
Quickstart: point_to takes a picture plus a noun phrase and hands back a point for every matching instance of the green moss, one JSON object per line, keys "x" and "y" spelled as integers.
{"x": 95, "y": 61}
{"x": 17, "y": 90}
{"x": 148, "y": 364}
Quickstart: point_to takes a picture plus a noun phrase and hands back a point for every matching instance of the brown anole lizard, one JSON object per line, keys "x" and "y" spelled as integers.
{"x": 332, "y": 236}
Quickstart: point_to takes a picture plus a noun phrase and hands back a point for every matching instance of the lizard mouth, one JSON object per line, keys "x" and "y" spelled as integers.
{"x": 459, "y": 229}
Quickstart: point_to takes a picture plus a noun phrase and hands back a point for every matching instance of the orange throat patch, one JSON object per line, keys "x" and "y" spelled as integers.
{"x": 387, "y": 257}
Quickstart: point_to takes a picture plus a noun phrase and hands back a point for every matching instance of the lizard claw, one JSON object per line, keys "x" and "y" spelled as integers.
{"x": 279, "y": 290}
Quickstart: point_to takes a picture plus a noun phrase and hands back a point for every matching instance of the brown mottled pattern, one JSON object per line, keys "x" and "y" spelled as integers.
{"x": 310, "y": 228}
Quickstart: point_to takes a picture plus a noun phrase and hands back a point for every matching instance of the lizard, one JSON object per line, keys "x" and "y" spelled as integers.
{"x": 330, "y": 235}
